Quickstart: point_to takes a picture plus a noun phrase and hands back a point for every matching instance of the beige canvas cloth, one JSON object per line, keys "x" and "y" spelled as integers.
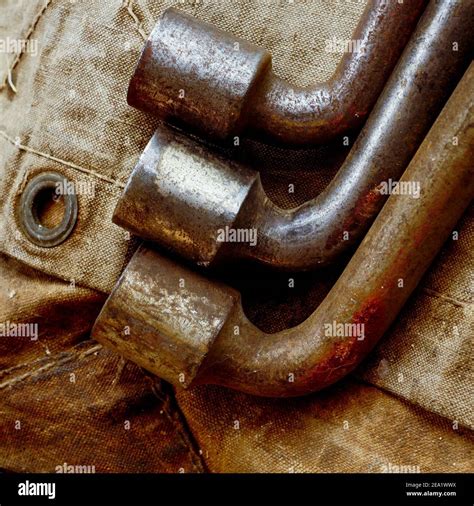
{"x": 63, "y": 108}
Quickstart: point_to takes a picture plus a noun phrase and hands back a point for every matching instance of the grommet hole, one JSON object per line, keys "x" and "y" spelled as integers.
{"x": 46, "y": 216}
{"x": 48, "y": 208}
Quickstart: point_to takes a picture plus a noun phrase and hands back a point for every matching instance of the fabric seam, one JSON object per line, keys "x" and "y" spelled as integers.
{"x": 70, "y": 355}
{"x": 438, "y": 295}
{"x": 71, "y": 165}
{"x": 128, "y": 4}
{"x": 171, "y": 407}
{"x": 28, "y": 34}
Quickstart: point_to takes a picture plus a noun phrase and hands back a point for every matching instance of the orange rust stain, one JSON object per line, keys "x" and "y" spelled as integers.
{"x": 366, "y": 206}
{"x": 342, "y": 357}
{"x": 373, "y": 315}
{"x": 420, "y": 234}
{"x": 346, "y": 354}
{"x": 373, "y": 310}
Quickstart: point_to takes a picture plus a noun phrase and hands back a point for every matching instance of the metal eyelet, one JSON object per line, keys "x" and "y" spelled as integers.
{"x": 30, "y": 223}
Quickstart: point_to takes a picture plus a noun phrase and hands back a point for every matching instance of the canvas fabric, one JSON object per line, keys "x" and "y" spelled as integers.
{"x": 409, "y": 404}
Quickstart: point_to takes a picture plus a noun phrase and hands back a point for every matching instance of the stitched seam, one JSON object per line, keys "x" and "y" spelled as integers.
{"x": 4, "y": 372}
{"x": 83, "y": 336}
{"x": 455, "y": 302}
{"x": 171, "y": 409}
{"x": 431, "y": 412}
{"x": 28, "y": 34}
{"x": 71, "y": 165}
{"x": 9, "y": 79}
{"x": 64, "y": 359}
{"x": 128, "y": 4}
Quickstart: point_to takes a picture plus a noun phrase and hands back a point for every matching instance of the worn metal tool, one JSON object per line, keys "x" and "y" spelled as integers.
{"x": 188, "y": 330}
{"x": 190, "y": 200}
{"x": 194, "y": 75}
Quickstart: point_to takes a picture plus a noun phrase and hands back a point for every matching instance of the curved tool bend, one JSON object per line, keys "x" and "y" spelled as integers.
{"x": 194, "y": 75}
{"x": 188, "y": 330}
{"x": 210, "y": 210}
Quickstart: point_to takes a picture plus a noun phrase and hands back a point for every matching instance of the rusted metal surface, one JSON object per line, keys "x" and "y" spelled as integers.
{"x": 180, "y": 194}
{"x": 160, "y": 313}
{"x": 196, "y": 76}
{"x": 164, "y": 316}
{"x": 191, "y": 201}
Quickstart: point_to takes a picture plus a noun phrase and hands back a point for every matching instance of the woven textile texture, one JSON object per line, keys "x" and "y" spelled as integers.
{"x": 65, "y": 399}
{"x": 75, "y": 119}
